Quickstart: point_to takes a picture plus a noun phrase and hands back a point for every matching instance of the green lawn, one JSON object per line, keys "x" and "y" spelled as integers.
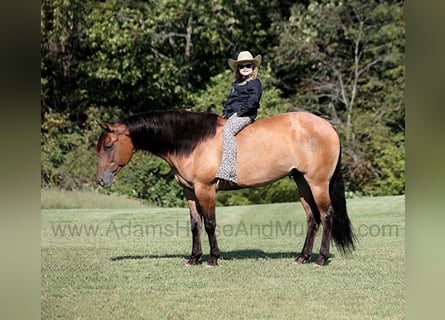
{"x": 129, "y": 264}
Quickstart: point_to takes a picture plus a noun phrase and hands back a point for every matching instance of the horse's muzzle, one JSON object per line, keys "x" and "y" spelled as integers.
{"x": 106, "y": 179}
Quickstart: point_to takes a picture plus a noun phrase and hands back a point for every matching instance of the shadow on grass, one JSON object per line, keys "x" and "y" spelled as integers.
{"x": 256, "y": 254}
{"x": 247, "y": 254}
{"x": 149, "y": 256}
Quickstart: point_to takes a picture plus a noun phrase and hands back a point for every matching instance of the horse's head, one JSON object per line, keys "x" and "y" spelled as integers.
{"x": 115, "y": 149}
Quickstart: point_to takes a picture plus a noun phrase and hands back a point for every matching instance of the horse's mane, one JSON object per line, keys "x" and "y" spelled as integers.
{"x": 177, "y": 132}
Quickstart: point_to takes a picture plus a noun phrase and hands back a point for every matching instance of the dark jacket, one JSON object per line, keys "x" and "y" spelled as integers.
{"x": 243, "y": 99}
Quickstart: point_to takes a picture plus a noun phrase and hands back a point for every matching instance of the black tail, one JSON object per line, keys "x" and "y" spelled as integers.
{"x": 342, "y": 230}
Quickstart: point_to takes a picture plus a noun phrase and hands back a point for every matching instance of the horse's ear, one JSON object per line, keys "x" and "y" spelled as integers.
{"x": 104, "y": 126}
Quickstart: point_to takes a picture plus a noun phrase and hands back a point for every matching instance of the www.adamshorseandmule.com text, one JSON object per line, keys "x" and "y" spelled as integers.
{"x": 180, "y": 228}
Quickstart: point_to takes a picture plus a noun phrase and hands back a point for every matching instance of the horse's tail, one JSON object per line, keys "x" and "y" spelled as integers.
{"x": 342, "y": 230}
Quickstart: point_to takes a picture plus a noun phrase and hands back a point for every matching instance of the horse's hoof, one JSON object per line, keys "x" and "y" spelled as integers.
{"x": 192, "y": 262}
{"x": 301, "y": 260}
{"x": 321, "y": 261}
{"x": 211, "y": 263}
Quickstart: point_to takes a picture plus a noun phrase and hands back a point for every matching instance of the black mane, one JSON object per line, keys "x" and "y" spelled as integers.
{"x": 177, "y": 132}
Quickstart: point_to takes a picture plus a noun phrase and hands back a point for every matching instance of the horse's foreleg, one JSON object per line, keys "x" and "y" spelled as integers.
{"x": 312, "y": 227}
{"x": 207, "y": 200}
{"x": 195, "y": 223}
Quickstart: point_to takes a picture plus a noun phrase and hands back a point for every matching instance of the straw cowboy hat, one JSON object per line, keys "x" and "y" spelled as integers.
{"x": 244, "y": 56}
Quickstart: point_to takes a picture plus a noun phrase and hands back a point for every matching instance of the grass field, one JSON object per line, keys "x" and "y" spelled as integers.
{"x": 128, "y": 263}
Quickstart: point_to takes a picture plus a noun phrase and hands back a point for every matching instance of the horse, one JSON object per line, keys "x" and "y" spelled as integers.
{"x": 299, "y": 145}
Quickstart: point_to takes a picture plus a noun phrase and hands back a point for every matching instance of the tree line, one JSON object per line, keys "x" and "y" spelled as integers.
{"x": 102, "y": 60}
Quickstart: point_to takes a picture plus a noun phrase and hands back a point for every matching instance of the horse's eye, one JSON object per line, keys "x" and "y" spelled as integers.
{"x": 108, "y": 146}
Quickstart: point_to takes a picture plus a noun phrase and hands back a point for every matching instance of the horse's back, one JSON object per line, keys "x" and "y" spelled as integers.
{"x": 300, "y": 119}
{"x": 301, "y": 128}
{"x": 281, "y": 143}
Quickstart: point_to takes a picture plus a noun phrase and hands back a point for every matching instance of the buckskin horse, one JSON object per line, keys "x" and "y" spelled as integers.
{"x": 300, "y": 145}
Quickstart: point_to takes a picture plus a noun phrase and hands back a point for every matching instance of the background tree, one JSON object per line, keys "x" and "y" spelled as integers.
{"x": 345, "y": 61}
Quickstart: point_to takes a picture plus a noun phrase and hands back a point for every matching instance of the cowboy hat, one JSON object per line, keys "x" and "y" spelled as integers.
{"x": 244, "y": 56}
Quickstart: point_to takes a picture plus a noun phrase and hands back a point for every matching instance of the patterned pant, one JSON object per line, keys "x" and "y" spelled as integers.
{"x": 227, "y": 168}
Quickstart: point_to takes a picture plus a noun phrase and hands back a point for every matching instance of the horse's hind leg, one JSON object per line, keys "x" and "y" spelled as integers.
{"x": 327, "y": 220}
{"x": 195, "y": 223}
{"x": 316, "y": 202}
{"x": 312, "y": 226}
{"x": 312, "y": 217}
{"x": 323, "y": 202}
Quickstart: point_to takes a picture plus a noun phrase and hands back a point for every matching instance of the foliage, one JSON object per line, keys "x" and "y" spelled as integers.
{"x": 148, "y": 177}
{"x": 284, "y": 190}
{"x": 101, "y": 60}
{"x": 68, "y": 153}
{"x": 344, "y": 60}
